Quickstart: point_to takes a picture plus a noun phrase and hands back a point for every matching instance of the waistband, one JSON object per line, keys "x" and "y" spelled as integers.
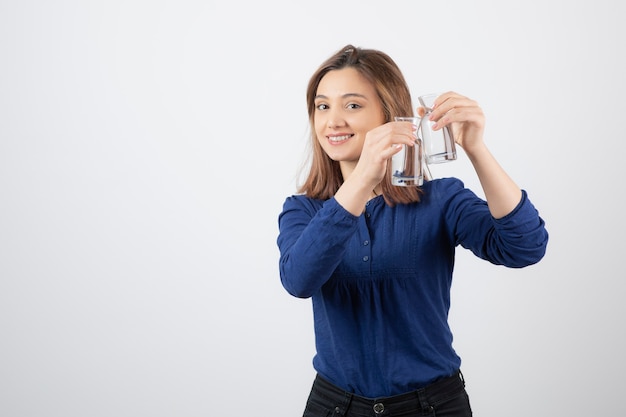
{"x": 417, "y": 400}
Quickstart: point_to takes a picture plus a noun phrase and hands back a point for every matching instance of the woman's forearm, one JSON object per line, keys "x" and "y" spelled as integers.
{"x": 501, "y": 192}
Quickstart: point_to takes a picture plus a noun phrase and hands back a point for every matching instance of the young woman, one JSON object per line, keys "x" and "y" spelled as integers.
{"x": 377, "y": 259}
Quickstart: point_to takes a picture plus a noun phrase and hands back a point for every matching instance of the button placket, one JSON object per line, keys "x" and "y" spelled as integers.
{"x": 366, "y": 246}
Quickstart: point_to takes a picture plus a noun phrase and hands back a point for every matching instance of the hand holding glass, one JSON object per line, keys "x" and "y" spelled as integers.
{"x": 438, "y": 144}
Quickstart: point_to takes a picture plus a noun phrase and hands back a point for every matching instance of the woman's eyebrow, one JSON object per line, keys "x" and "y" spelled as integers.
{"x": 347, "y": 95}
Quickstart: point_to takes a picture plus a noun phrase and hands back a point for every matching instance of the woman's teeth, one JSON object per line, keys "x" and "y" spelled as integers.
{"x": 339, "y": 138}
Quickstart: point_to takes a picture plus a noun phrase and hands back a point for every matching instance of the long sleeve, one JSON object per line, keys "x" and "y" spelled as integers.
{"x": 516, "y": 240}
{"x": 312, "y": 242}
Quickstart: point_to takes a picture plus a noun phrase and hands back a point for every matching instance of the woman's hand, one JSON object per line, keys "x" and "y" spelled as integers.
{"x": 380, "y": 144}
{"x": 467, "y": 121}
{"x": 463, "y": 115}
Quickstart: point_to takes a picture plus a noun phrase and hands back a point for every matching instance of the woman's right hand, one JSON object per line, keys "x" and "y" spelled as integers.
{"x": 380, "y": 144}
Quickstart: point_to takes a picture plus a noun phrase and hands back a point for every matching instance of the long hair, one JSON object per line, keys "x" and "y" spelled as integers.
{"x": 325, "y": 178}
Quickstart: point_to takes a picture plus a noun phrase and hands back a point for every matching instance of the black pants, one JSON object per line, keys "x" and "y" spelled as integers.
{"x": 443, "y": 398}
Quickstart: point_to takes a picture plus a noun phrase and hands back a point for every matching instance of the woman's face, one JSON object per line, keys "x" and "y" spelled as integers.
{"x": 346, "y": 108}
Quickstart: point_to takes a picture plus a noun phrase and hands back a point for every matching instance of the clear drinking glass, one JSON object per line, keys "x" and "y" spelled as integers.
{"x": 407, "y": 166}
{"x": 439, "y": 144}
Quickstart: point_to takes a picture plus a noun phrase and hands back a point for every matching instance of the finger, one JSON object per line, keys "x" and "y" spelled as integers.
{"x": 450, "y": 101}
{"x": 450, "y": 104}
{"x": 391, "y": 150}
{"x": 381, "y": 142}
{"x": 404, "y": 130}
{"x": 473, "y": 115}
{"x": 443, "y": 98}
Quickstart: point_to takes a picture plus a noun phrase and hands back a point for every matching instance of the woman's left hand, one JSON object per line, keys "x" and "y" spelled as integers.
{"x": 467, "y": 121}
{"x": 462, "y": 114}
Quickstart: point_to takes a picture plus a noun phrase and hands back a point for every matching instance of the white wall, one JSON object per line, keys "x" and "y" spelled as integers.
{"x": 146, "y": 148}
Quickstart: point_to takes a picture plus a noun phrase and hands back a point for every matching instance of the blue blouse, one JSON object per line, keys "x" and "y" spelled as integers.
{"x": 380, "y": 282}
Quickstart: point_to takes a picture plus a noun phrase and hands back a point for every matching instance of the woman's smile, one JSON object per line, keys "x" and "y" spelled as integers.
{"x": 337, "y": 139}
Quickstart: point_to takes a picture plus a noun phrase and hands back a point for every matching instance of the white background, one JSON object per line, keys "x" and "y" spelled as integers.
{"x": 146, "y": 148}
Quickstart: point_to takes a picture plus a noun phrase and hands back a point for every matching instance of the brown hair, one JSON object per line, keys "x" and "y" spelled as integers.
{"x": 325, "y": 178}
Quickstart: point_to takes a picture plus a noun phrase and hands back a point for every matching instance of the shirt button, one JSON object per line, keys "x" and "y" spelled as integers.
{"x": 366, "y": 242}
{"x": 368, "y": 215}
{"x": 366, "y": 258}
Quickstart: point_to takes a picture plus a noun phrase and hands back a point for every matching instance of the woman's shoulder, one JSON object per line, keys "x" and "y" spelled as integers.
{"x": 448, "y": 190}
{"x": 445, "y": 185}
{"x": 302, "y": 201}
{"x": 303, "y": 198}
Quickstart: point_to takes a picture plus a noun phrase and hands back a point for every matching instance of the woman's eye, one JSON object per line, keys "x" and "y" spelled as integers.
{"x": 354, "y": 106}
{"x": 321, "y": 106}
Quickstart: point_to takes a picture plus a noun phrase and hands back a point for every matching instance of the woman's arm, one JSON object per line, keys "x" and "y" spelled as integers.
{"x": 467, "y": 121}
{"x": 312, "y": 241}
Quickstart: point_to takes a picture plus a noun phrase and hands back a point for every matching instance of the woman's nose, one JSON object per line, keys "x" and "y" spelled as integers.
{"x": 335, "y": 121}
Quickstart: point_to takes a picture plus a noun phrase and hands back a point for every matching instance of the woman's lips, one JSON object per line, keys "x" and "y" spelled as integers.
{"x": 339, "y": 138}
